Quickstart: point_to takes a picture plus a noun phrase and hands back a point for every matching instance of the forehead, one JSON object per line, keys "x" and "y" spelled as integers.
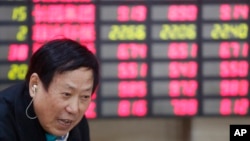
{"x": 79, "y": 78}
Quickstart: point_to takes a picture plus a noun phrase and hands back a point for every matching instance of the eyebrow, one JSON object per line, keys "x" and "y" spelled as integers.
{"x": 70, "y": 87}
{"x": 73, "y": 88}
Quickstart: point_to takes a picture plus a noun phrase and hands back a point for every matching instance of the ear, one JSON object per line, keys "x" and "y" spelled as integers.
{"x": 33, "y": 84}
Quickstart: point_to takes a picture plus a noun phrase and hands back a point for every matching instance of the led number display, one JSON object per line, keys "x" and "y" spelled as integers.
{"x": 158, "y": 58}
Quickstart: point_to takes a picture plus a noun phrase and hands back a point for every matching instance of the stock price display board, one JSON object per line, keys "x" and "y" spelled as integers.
{"x": 159, "y": 58}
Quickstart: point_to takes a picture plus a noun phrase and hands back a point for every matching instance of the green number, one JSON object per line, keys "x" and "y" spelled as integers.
{"x": 178, "y": 32}
{"x": 242, "y": 31}
{"x": 22, "y": 33}
{"x": 19, "y": 13}
{"x": 127, "y": 32}
{"x": 140, "y": 32}
{"x": 17, "y": 72}
{"x": 113, "y": 32}
{"x": 215, "y": 31}
{"x": 191, "y": 31}
{"x": 227, "y": 31}
{"x": 164, "y": 32}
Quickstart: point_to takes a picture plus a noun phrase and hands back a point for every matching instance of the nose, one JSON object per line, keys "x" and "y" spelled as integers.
{"x": 73, "y": 106}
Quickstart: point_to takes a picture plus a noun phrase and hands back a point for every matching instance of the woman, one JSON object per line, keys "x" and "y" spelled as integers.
{"x": 51, "y": 103}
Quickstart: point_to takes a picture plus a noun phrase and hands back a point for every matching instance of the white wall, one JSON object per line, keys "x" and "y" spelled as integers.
{"x": 214, "y": 129}
{"x": 135, "y": 130}
{"x": 173, "y": 129}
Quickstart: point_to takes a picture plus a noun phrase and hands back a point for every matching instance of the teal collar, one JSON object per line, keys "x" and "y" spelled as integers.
{"x": 50, "y": 137}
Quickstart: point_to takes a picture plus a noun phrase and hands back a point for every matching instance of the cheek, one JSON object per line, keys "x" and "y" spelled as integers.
{"x": 84, "y": 107}
{"x": 83, "y": 110}
{"x": 51, "y": 107}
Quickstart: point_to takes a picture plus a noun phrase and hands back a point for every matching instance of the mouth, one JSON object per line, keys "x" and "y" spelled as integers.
{"x": 65, "y": 122}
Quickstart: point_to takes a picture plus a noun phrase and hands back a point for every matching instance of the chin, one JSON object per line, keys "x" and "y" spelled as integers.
{"x": 60, "y": 133}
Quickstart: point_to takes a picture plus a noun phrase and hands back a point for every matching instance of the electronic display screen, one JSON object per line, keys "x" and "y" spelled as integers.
{"x": 158, "y": 58}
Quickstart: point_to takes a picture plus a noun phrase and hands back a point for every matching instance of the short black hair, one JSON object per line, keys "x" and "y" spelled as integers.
{"x": 58, "y": 56}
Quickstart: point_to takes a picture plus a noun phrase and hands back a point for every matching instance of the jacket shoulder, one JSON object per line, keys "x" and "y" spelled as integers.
{"x": 9, "y": 95}
{"x": 7, "y": 116}
{"x": 81, "y": 131}
{"x": 12, "y": 90}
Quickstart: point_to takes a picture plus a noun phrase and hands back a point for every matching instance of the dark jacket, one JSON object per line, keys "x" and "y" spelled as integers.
{"x": 15, "y": 126}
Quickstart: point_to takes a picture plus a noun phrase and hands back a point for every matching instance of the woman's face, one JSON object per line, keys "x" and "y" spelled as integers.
{"x": 62, "y": 107}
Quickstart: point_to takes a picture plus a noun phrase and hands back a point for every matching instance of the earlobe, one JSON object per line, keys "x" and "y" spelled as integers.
{"x": 32, "y": 94}
{"x": 33, "y": 84}
{"x": 34, "y": 88}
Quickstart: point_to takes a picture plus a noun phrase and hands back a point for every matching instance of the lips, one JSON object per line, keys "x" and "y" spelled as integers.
{"x": 65, "y": 122}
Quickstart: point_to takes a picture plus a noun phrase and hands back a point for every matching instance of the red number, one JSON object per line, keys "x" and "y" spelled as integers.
{"x": 123, "y": 51}
{"x": 40, "y": 32}
{"x": 43, "y": 32}
{"x": 178, "y": 50}
{"x": 124, "y": 108}
{"x": 127, "y": 70}
{"x": 189, "y": 88}
{"x": 233, "y": 49}
{"x": 87, "y": 32}
{"x": 139, "y": 108}
{"x": 182, "y": 12}
{"x": 185, "y": 87}
{"x": 233, "y": 69}
{"x": 185, "y": 69}
{"x": 241, "y": 11}
{"x": 143, "y": 70}
{"x": 136, "y": 13}
{"x": 18, "y": 52}
{"x": 138, "y": 50}
{"x": 131, "y": 70}
{"x": 225, "y": 106}
{"x": 174, "y": 88}
{"x": 245, "y": 50}
{"x": 91, "y": 113}
{"x": 64, "y": 13}
{"x": 131, "y": 51}
{"x": 86, "y": 13}
{"x": 55, "y": 13}
{"x": 228, "y": 13}
{"x": 184, "y": 106}
{"x": 181, "y": 50}
{"x": 234, "y": 87}
{"x": 224, "y": 50}
{"x": 194, "y": 51}
{"x": 123, "y": 13}
{"x": 135, "y": 108}
{"x": 239, "y": 106}
{"x": 68, "y": 30}
{"x": 132, "y": 89}
{"x": 225, "y": 11}
{"x": 39, "y": 13}
{"x": 70, "y": 13}
{"x": 77, "y": 32}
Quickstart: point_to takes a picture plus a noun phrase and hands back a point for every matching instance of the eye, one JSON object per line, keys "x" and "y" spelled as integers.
{"x": 66, "y": 94}
{"x": 85, "y": 97}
